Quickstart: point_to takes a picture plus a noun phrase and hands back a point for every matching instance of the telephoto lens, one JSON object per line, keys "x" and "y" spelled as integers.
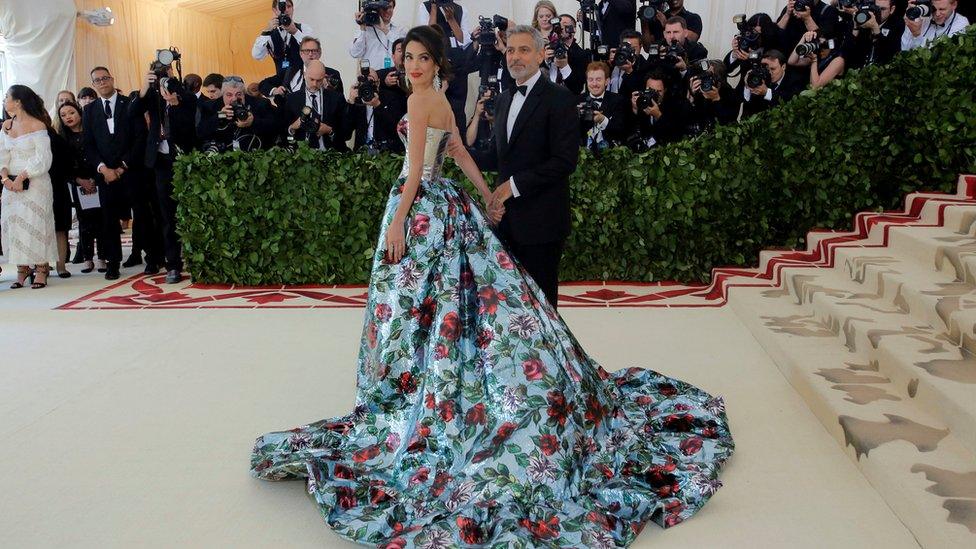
{"x": 918, "y": 11}
{"x": 807, "y": 48}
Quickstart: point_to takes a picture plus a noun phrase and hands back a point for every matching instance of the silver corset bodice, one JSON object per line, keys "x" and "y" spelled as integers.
{"x": 435, "y": 151}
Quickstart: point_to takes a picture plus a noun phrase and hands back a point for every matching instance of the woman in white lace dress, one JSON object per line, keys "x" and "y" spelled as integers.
{"x": 27, "y": 202}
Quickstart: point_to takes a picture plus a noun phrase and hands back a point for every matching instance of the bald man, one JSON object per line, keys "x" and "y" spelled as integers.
{"x": 326, "y": 126}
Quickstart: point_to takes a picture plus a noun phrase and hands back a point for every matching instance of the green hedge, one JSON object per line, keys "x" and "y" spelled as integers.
{"x": 672, "y": 213}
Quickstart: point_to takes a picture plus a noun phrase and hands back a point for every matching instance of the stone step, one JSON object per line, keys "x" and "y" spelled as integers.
{"x": 911, "y": 457}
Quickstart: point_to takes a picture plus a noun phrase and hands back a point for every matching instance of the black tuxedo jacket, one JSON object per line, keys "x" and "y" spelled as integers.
{"x": 613, "y": 107}
{"x": 540, "y": 154}
{"x": 786, "y": 90}
{"x": 280, "y": 79}
{"x": 182, "y": 124}
{"x": 393, "y": 105}
{"x": 621, "y": 15}
{"x": 333, "y": 113}
{"x": 122, "y": 147}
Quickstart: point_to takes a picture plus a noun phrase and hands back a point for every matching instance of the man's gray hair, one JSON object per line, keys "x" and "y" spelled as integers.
{"x": 233, "y": 83}
{"x": 537, "y": 39}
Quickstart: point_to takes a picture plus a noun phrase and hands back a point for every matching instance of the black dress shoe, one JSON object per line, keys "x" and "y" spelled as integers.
{"x": 151, "y": 268}
{"x": 112, "y": 273}
{"x": 174, "y": 276}
{"x": 133, "y": 260}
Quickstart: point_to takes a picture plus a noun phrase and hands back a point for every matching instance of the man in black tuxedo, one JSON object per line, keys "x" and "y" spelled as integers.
{"x": 375, "y": 121}
{"x": 778, "y": 88}
{"x": 218, "y": 127}
{"x": 537, "y": 141}
{"x": 328, "y": 108}
{"x": 112, "y": 137}
{"x": 569, "y": 69}
{"x": 609, "y": 123}
{"x": 613, "y": 17}
{"x": 172, "y": 131}
{"x": 292, "y": 79}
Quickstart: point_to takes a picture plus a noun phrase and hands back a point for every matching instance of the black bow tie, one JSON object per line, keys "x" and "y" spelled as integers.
{"x": 522, "y": 89}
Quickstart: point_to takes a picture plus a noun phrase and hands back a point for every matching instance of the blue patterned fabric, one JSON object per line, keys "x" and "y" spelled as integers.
{"x": 480, "y": 421}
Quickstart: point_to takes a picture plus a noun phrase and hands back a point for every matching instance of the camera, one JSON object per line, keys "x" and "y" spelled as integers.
{"x": 371, "y": 12}
{"x": 864, "y": 10}
{"x": 814, "y": 47}
{"x": 587, "y": 108}
{"x": 749, "y": 39}
{"x": 333, "y": 82}
{"x": 488, "y": 25}
{"x": 922, "y": 8}
{"x": 625, "y": 55}
{"x": 647, "y": 98}
{"x": 702, "y": 72}
{"x": 758, "y": 73}
{"x": 240, "y": 112}
{"x": 675, "y": 51}
{"x": 649, "y": 9}
{"x": 309, "y": 121}
{"x": 804, "y": 5}
{"x": 160, "y": 67}
{"x": 491, "y": 87}
{"x": 367, "y": 89}
{"x": 602, "y": 53}
{"x": 284, "y": 20}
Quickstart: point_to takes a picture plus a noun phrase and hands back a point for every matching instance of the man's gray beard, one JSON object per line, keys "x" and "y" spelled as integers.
{"x": 527, "y": 72}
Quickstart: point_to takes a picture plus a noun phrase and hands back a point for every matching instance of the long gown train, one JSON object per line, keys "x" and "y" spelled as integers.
{"x": 479, "y": 419}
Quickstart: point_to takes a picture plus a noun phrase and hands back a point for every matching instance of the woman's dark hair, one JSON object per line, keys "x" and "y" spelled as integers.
{"x": 434, "y": 41}
{"x": 62, "y": 129}
{"x": 767, "y": 29}
{"x": 32, "y": 103}
{"x": 87, "y": 92}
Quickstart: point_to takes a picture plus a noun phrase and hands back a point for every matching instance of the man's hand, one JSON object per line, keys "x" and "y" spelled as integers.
{"x": 110, "y": 175}
{"x": 295, "y": 125}
{"x": 633, "y": 102}
{"x": 562, "y": 63}
{"x": 391, "y": 80}
{"x": 357, "y": 17}
{"x": 291, "y": 29}
{"x": 87, "y": 185}
{"x": 550, "y": 54}
{"x": 760, "y": 90}
{"x": 598, "y": 117}
{"x": 272, "y": 24}
{"x": 149, "y": 81}
{"x": 171, "y": 99}
{"x": 736, "y": 52}
{"x": 654, "y": 111}
{"x": 228, "y": 112}
{"x": 324, "y": 129}
{"x": 914, "y": 26}
{"x": 280, "y": 90}
{"x": 247, "y": 122}
{"x": 496, "y": 207}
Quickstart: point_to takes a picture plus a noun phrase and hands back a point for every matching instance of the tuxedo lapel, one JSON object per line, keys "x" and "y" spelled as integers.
{"x": 501, "y": 119}
{"x": 531, "y": 103}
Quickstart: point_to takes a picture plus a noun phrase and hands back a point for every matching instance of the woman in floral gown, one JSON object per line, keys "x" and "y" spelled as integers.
{"x": 480, "y": 421}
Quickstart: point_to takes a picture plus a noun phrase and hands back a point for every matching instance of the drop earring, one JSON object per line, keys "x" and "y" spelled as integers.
{"x": 437, "y": 82}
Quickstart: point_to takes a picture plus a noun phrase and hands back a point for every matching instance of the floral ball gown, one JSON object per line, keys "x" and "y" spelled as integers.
{"x": 480, "y": 421}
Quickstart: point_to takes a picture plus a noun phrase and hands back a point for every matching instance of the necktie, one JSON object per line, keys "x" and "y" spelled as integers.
{"x": 522, "y": 89}
{"x": 559, "y": 75}
{"x": 108, "y": 109}
{"x": 315, "y": 103}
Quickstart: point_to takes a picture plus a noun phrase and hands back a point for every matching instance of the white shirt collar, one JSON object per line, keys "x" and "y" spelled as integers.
{"x": 113, "y": 99}
{"x": 601, "y": 96}
{"x": 530, "y": 83}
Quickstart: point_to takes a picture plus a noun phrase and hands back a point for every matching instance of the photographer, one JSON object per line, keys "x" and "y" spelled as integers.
{"x": 629, "y": 66}
{"x": 926, "y": 21}
{"x": 277, "y": 86}
{"x": 825, "y": 57}
{"x": 171, "y": 110}
{"x": 322, "y": 124}
{"x": 766, "y": 84}
{"x": 281, "y": 38}
{"x": 613, "y": 18}
{"x": 375, "y": 121}
{"x": 653, "y": 29}
{"x": 565, "y": 59}
{"x": 479, "y": 136}
{"x": 712, "y": 100}
{"x": 374, "y": 40}
{"x": 756, "y": 33}
{"x": 211, "y": 87}
{"x": 659, "y": 115}
{"x": 236, "y": 120}
{"x": 603, "y": 118}
{"x": 802, "y": 16}
{"x": 877, "y": 39}
{"x": 450, "y": 17}
{"x": 487, "y": 57}
{"x": 676, "y": 33}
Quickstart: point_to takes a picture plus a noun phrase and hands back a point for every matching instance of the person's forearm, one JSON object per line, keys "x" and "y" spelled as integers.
{"x": 471, "y": 171}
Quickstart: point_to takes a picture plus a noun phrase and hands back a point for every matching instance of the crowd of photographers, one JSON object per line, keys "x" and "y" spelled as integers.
{"x": 643, "y": 79}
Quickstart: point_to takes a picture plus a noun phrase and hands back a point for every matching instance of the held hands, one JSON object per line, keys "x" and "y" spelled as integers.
{"x": 87, "y": 185}
{"x": 496, "y": 204}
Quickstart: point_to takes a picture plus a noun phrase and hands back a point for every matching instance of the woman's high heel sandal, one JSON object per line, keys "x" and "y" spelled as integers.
{"x": 40, "y": 270}
{"x": 23, "y": 273}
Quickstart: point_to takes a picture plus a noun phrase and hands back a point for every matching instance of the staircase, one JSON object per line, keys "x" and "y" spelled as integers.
{"x": 876, "y": 329}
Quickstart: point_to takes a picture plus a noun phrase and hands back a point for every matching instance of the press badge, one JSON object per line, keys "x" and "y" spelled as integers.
{"x": 387, "y": 63}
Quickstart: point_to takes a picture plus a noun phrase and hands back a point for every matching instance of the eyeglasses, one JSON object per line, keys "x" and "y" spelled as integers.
{"x": 101, "y": 79}
{"x": 237, "y": 79}
{"x": 316, "y": 50}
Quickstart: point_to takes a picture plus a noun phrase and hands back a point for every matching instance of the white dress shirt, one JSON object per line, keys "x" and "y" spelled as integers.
{"x": 956, "y": 24}
{"x": 513, "y": 111}
{"x": 375, "y": 45}
{"x": 297, "y": 80}
{"x": 261, "y": 44}
{"x": 565, "y": 71}
{"x": 113, "y": 104}
{"x": 595, "y": 134}
{"x": 747, "y": 93}
{"x": 423, "y": 18}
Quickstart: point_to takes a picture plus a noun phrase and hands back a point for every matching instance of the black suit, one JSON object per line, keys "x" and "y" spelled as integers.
{"x": 615, "y": 108}
{"x": 393, "y": 105}
{"x": 179, "y": 126}
{"x": 213, "y": 128}
{"x": 783, "y": 91}
{"x": 540, "y": 155}
{"x": 285, "y": 78}
{"x": 621, "y": 15}
{"x": 332, "y": 111}
{"x": 120, "y": 149}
